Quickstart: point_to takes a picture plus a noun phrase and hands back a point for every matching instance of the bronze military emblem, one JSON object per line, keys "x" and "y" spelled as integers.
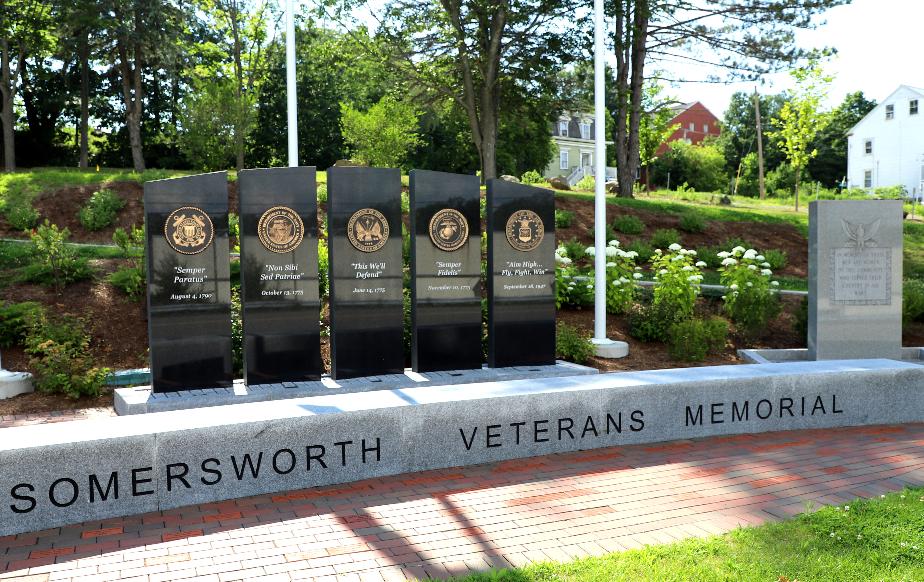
{"x": 448, "y": 229}
{"x": 525, "y": 230}
{"x": 189, "y": 230}
{"x": 367, "y": 230}
{"x": 281, "y": 229}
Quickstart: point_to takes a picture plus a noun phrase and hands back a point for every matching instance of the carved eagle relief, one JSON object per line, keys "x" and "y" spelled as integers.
{"x": 861, "y": 235}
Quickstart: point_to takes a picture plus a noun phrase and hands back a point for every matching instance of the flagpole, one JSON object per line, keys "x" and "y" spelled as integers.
{"x": 603, "y": 347}
{"x": 290, "y": 84}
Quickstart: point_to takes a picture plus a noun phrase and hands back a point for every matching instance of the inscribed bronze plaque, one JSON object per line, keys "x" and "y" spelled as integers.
{"x": 189, "y": 230}
{"x": 367, "y": 230}
{"x": 525, "y": 230}
{"x": 448, "y": 229}
{"x": 280, "y": 229}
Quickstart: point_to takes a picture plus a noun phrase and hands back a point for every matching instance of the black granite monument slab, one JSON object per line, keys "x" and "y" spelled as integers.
{"x": 279, "y": 275}
{"x": 366, "y": 271}
{"x": 189, "y": 291}
{"x": 445, "y": 271}
{"x": 521, "y": 275}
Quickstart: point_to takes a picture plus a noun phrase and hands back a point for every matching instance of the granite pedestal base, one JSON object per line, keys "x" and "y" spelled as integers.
{"x": 57, "y": 474}
{"x": 777, "y": 356}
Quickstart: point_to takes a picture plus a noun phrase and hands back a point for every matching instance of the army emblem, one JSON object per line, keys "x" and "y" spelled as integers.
{"x": 189, "y": 230}
{"x": 525, "y": 230}
{"x": 367, "y": 230}
{"x": 448, "y": 230}
{"x": 281, "y": 229}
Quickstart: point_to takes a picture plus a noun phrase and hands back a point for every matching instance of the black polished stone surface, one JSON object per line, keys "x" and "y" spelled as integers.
{"x": 279, "y": 275}
{"x": 366, "y": 288}
{"x": 521, "y": 284}
{"x": 189, "y": 292}
{"x": 445, "y": 282}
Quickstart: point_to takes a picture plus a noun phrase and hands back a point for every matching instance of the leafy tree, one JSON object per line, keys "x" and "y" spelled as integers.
{"x": 701, "y": 166}
{"x": 739, "y": 130}
{"x": 466, "y": 49}
{"x": 654, "y": 128}
{"x": 211, "y": 117}
{"x": 830, "y": 165}
{"x": 801, "y": 118}
{"x": 746, "y": 39}
{"x": 382, "y": 136}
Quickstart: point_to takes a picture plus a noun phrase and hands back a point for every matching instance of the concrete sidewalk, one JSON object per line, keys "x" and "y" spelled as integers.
{"x": 451, "y": 522}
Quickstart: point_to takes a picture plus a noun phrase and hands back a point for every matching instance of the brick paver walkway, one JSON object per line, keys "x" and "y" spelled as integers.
{"x": 453, "y": 521}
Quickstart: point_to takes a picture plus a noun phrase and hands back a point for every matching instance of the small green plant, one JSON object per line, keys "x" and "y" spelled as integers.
{"x": 322, "y": 193}
{"x": 55, "y": 263}
{"x": 574, "y": 249}
{"x": 751, "y": 298}
{"x": 59, "y": 355}
{"x": 777, "y": 259}
{"x": 234, "y": 232}
{"x": 100, "y": 210}
{"x": 642, "y": 249}
{"x": 621, "y": 277}
{"x": 649, "y": 322}
{"x": 563, "y": 218}
{"x": 130, "y": 280}
{"x": 609, "y": 233}
{"x": 692, "y": 223}
{"x": 664, "y": 237}
{"x": 15, "y": 321}
{"x": 587, "y": 183}
{"x": 628, "y": 224}
{"x": 570, "y": 291}
{"x": 677, "y": 279}
{"x": 684, "y": 188}
{"x": 532, "y": 177}
{"x": 572, "y": 344}
{"x": 912, "y": 300}
{"x": 691, "y": 340}
{"x": 710, "y": 256}
{"x": 22, "y": 216}
{"x": 323, "y": 269}
{"x": 800, "y": 320}
{"x": 237, "y": 332}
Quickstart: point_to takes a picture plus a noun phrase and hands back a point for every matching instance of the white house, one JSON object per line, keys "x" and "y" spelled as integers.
{"x": 886, "y": 148}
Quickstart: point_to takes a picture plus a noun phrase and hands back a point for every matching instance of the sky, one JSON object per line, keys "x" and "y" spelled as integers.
{"x": 878, "y": 44}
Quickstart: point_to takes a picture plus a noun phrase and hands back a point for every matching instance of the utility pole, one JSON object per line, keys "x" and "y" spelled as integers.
{"x": 760, "y": 147}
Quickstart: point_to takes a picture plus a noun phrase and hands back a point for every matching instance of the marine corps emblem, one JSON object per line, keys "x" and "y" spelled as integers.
{"x": 448, "y": 230}
{"x": 189, "y": 230}
{"x": 525, "y": 230}
{"x": 281, "y": 229}
{"x": 367, "y": 230}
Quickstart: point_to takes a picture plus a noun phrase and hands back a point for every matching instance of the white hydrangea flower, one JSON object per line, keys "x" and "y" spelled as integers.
{"x": 687, "y": 268}
{"x": 611, "y": 251}
{"x": 733, "y": 286}
{"x": 761, "y": 258}
{"x": 623, "y": 280}
{"x": 765, "y": 265}
{"x": 723, "y": 255}
{"x": 617, "y": 283}
{"x": 632, "y": 255}
{"x": 566, "y": 276}
{"x": 691, "y": 252}
{"x": 737, "y": 250}
{"x": 590, "y": 251}
{"x": 727, "y": 262}
{"x": 610, "y": 264}
{"x": 750, "y": 254}
{"x": 700, "y": 264}
{"x": 752, "y": 267}
{"x": 590, "y": 286}
{"x": 766, "y": 272}
{"x": 662, "y": 272}
{"x": 695, "y": 278}
{"x": 657, "y": 251}
{"x": 637, "y": 275}
{"x": 563, "y": 260}
{"x": 613, "y": 243}
{"x": 675, "y": 247}
{"x": 677, "y": 258}
{"x": 775, "y": 283}
{"x": 749, "y": 284}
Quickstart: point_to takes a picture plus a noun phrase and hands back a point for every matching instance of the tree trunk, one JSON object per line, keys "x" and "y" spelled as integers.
{"x": 131, "y": 95}
{"x": 798, "y": 171}
{"x": 6, "y": 111}
{"x": 84, "y": 99}
{"x": 234, "y": 15}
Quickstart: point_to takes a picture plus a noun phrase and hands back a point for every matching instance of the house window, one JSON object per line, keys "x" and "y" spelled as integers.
{"x": 868, "y": 179}
{"x": 868, "y": 146}
{"x": 705, "y": 128}
{"x": 563, "y": 128}
{"x": 692, "y": 126}
{"x": 913, "y": 107}
{"x": 585, "y": 131}
{"x": 890, "y": 111}
{"x": 563, "y": 160}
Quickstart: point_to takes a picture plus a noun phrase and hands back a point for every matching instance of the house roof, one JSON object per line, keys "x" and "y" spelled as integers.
{"x": 884, "y": 102}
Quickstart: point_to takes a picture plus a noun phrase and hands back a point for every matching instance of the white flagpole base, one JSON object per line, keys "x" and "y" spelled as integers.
{"x": 610, "y": 349}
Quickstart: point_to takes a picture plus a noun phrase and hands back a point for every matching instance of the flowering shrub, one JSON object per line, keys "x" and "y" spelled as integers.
{"x": 677, "y": 278}
{"x": 569, "y": 291}
{"x": 621, "y": 277}
{"x": 751, "y": 299}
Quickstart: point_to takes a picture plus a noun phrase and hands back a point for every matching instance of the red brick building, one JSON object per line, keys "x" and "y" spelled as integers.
{"x": 696, "y": 122}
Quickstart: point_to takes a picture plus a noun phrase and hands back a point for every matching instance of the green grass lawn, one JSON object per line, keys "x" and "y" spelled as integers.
{"x": 880, "y": 539}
